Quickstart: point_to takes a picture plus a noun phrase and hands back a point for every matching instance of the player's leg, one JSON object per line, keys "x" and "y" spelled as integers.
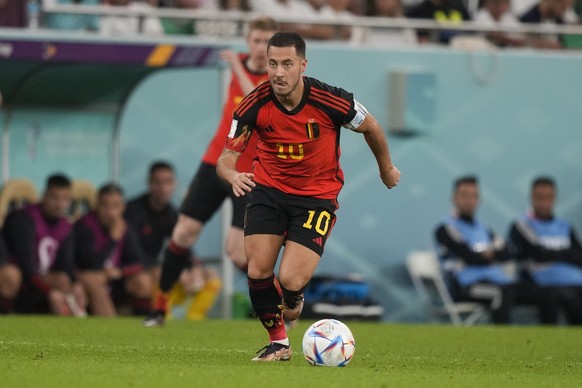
{"x": 297, "y": 267}
{"x": 139, "y": 287}
{"x": 96, "y": 284}
{"x": 310, "y": 223}
{"x": 264, "y": 235}
{"x": 235, "y": 237}
{"x": 10, "y": 283}
{"x": 262, "y": 252}
{"x": 205, "y": 196}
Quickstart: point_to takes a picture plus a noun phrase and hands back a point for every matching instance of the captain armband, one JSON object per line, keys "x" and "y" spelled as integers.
{"x": 358, "y": 119}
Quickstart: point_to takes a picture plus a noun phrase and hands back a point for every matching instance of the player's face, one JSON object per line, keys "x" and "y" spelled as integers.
{"x": 162, "y": 184}
{"x": 466, "y": 199}
{"x": 257, "y": 44}
{"x": 543, "y": 198}
{"x": 284, "y": 68}
{"x": 56, "y": 201}
{"x": 110, "y": 207}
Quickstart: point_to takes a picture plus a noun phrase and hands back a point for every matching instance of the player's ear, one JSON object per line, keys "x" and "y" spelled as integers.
{"x": 303, "y": 65}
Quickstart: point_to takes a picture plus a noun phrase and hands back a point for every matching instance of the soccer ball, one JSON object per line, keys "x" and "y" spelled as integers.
{"x": 328, "y": 342}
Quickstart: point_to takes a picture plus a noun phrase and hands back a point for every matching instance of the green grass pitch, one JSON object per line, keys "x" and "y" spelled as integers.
{"x": 94, "y": 352}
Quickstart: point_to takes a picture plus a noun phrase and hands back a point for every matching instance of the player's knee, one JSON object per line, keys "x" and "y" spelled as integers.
{"x": 237, "y": 255}
{"x": 292, "y": 283}
{"x": 186, "y": 231}
{"x": 140, "y": 285}
{"x": 11, "y": 280}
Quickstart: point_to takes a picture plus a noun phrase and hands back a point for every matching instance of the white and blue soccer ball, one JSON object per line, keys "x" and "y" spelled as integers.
{"x": 328, "y": 342}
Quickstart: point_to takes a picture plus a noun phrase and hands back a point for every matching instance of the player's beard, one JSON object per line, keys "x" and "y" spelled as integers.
{"x": 288, "y": 93}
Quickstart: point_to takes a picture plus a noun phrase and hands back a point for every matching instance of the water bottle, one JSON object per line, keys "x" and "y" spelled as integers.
{"x": 33, "y": 13}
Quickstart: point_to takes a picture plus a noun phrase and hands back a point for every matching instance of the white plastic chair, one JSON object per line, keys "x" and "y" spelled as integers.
{"x": 428, "y": 280}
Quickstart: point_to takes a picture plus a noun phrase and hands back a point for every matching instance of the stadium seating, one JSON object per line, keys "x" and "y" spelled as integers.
{"x": 15, "y": 194}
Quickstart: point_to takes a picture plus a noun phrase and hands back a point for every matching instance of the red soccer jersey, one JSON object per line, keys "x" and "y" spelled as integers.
{"x": 235, "y": 95}
{"x": 298, "y": 151}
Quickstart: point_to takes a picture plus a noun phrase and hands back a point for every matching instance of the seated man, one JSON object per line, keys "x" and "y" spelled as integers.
{"x": 153, "y": 217}
{"x": 38, "y": 240}
{"x": 472, "y": 255}
{"x": 107, "y": 253}
{"x": 10, "y": 280}
{"x": 550, "y": 253}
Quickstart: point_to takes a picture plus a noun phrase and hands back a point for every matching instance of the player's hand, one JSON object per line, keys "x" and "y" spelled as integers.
{"x": 390, "y": 177}
{"x": 229, "y": 56}
{"x": 242, "y": 183}
{"x": 57, "y": 302}
{"x": 117, "y": 229}
{"x": 113, "y": 273}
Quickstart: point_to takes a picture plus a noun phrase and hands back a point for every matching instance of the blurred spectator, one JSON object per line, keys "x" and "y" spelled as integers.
{"x": 12, "y": 13}
{"x": 442, "y": 11}
{"x": 338, "y": 10}
{"x": 197, "y": 288}
{"x": 472, "y": 255}
{"x": 550, "y": 252}
{"x": 71, "y": 21}
{"x": 130, "y": 25}
{"x": 109, "y": 258}
{"x": 153, "y": 216}
{"x": 39, "y": 242}
{"x": 223, "y": 28}
{"x": 547, "y": 12}
{"x": 498, "y": 13}
{"x": 278, "y": 9}
{"x": 10, "y": 280}
{"x": 386, "y": 36}
{"x": 385, "y": 8}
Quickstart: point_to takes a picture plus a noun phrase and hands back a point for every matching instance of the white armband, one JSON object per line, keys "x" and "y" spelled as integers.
{"x": 358, "y": 119}
{"x": 233, "y": 126}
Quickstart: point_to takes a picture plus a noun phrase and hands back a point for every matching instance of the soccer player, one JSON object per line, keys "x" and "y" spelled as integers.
{"x": 38, "y": 240}
{"x": 550, "y": 250}
{"x": 109, "y": 257}
{"x": 472, "y": 254}
{"x": 207, "y": 192}
{"x": 292, "y": 191}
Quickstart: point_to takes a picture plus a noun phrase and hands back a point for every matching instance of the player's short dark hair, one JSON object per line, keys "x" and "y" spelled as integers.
{"x": 109, "y": 188}
{"x": 263, "y": 23}
{"x": 543, "y": 181}
{"x": 463, "y": 180}
{"x": 288, "y": 39}
{"x": 160, "y": 165}
{"x": 60, "y": 181}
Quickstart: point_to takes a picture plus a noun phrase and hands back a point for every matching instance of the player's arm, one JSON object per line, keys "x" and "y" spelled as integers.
{"x": 241, "y": 182}
{"x": 374, "y": 135}
{"x": 238, "y": 70}
{"x": 86, "y": 254}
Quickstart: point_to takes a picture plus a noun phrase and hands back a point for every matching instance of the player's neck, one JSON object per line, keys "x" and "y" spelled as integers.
{"x": 293, "y": 99}
{"x": 255, "y": 65}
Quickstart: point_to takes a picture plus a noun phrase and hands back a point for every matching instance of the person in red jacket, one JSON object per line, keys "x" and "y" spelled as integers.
{"x": 207, "y": 192}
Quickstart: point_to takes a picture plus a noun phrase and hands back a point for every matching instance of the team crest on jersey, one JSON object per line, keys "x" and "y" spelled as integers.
{"x": 312, "y": 129}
